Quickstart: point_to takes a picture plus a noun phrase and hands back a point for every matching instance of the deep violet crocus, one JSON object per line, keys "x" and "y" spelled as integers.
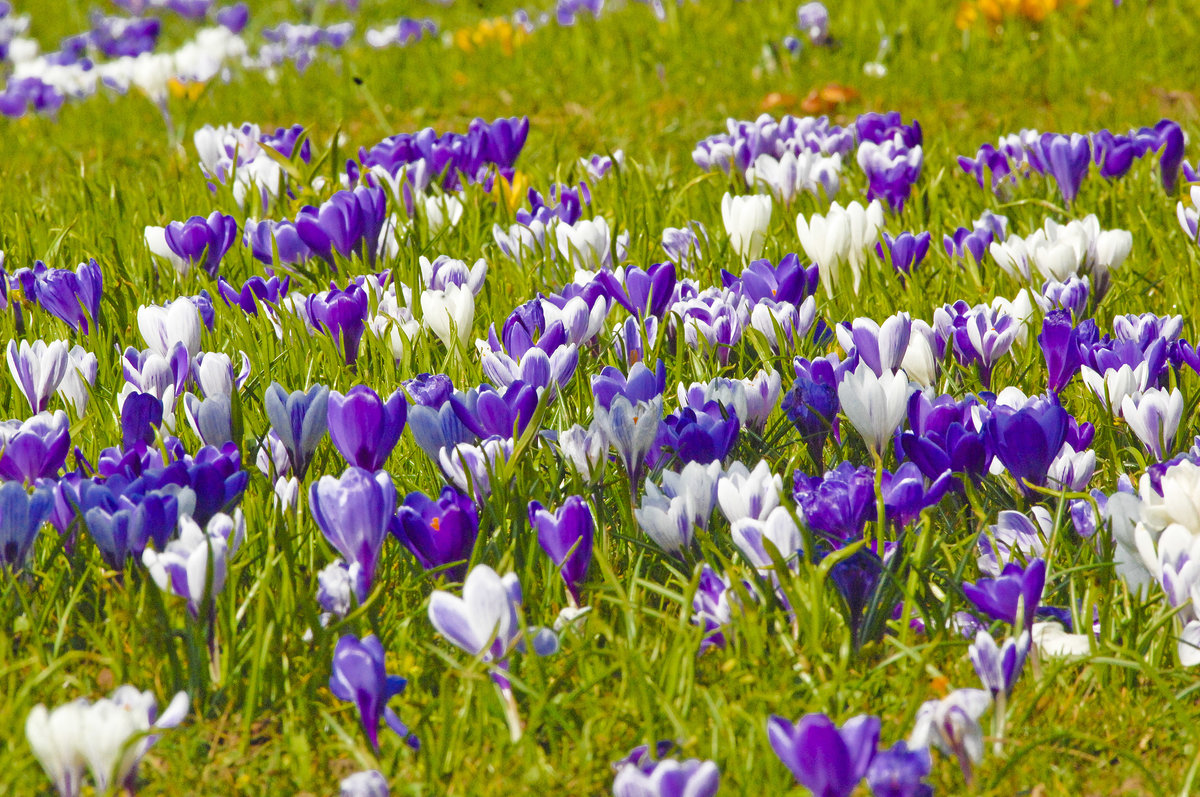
{"x": 201, "y": 241}
{"x": 1028, "y": 439}
{"x": 1016, "y": 589}
{"x": 343, "y": 315}
{"x": 566, "y": 537}
{"x": 439, "y": 532}
{"x": 1061, "y": 348}
{"x": 363, "y": 427}
{"x": 360, "y": 676}
{"x": 354, "y": 512}
{"x": 899, "y": 770}
{"x": 300, "y": 419}
{"x": 827, "y": 760}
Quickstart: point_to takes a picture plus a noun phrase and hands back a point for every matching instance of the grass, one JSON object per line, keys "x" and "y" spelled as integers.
{"x": 87, "y": 183}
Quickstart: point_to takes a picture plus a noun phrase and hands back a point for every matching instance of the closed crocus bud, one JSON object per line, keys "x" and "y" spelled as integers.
{"x": 211, "y": 418}
{"x": 1154, "y": 417}
{"x": 449, "y": 314}
{"x": 55, "y": 737}
{"x": 874, "y": 405}
{"x": 300, "y": 420}
{"x": 566, "y": 537}
{"x": 747, "y": 219}
{"x": 178, "y": 322}
{"x": 80, "y": 376}
{"x": 156, "y": 242}
{"x": 354, "y": 512}
{"x": 21, "y": 516}
{"x": 363, "y": 427}
{"x": 214, "y": 373}
{"x": 38, "y": 369}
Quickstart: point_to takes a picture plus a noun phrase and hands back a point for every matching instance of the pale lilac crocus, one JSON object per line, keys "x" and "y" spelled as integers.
{"x": 38, "y": 369}
{"x": 1154, "y": 417}
{"x": 485, "y": 622}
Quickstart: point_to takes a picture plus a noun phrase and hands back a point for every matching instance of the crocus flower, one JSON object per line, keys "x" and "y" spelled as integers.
{"x": 359, "y": 676}
{"x": 198, "y": 241}
{"x": 182, "y": 567}
{"x": 484, "y": 622}
{"x": 449, "y": 313}
{"x": 369, "y": 783}
{"x": 813, "y": 19}
{"x": 1016, "y": 589}
{"x": 81, "y": 373}
{"x": 36, "y": 448}
{"x": 109, "y": 736}
{"x": 1060, "y": 346}
{"x": 631, "y": 429}
{"x": 141, "y": 415}
{"x": 354, "y": 512}
{"x": 440, "y": 533}
{"x": 1067, "y": 159}
{"x": 1027, "y": 440}
{"x": 668, "y": 778}
{"x": 747, "y": 219}
{"x": 952, "y": 725}
{"x": 778, "y": 527}
{"x": 874, "y": 405}
{"x": 364, "y": 428}
{"x": 827, "y": 760}
{"x": 343, "y": 315}
{"x": 177, "y": 322}
{"x": 712, "y": 607}
{"x": 38, "y": 369}
{"x": 998, "y": 666}
{"x": 843, "y": 236}
{"x": 300, "y": 420}
{"x": 211, "y": 418}
{"x": 566, "y": 537}
{"x": 21, "y": 515}
{"x": 471, "y": 468}
{"x": 899, "y": 771}
{"x": 1154, "y": 417}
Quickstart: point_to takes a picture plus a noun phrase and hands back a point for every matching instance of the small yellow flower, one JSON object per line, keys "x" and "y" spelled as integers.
{"x": 966, "y": 16}
{"x": 511, "y": 195}
{"x": 179, "y": 89}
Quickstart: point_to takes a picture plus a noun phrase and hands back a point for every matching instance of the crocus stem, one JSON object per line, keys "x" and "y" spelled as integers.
{"x": 214, "y": 652}
{"x": 511, "y": 713}
{"x": 999, "y": 720}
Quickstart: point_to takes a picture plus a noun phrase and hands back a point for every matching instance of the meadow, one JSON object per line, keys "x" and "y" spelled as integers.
{"x": 791, "y": 468}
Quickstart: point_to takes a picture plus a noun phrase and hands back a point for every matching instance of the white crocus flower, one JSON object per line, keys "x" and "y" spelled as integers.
{"x": 747, "y": 219}
{"x": 874, "y": 405}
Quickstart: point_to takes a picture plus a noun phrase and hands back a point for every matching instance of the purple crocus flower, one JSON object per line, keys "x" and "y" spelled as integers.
{"x": 267, "y": 239}
{"x": 1066, "y": 159}
{"x": 827, "y": 760}
{"x": 429, "y": 390}
{"x": 905, "y": 252}
{"x": 300, "y": 420}
{"x": 364, "y": 428}
{"x": 839, "y": 504}
{"x": 440, "y": 533}
{"x": 1027, "y": 440}
{"x": 1060, "y": 346}
{"x": 360, "y": 676}
{"x": 812, "y": 404}
{"x": 343, "y": 315}
{"x": 566, "y": 537}
{"x": 234, "y": 17}
{"x": 73, "y": 297}
{"x": 202, "y": 241}
{"x": 487, "y": 412}
{"x": 123, "y": 524}
{"x": 354, "y": 513}
{"x": 944, "y": 437}
{"x": 35, "y": 448}
{"x": 667, "y": 778}
{"x": 813, "y": 19}
{"x": 254, "y": 290}
{"x": 642, "y": 384}
{"x": 21, "y": 515}
{"x": 999, "y": 666}
{"x": 898, "y": 772}
{"x": 999, "y": 597}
